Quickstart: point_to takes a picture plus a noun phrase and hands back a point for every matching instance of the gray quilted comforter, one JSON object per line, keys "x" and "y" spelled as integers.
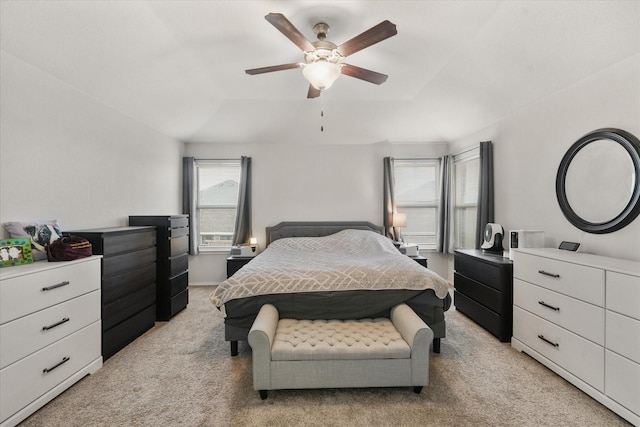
{"x": 345, "y": 261}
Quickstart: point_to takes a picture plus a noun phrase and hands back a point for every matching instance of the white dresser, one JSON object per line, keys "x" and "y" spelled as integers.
{"x": 50, "y": 332}
{"x": 579, "y": 315}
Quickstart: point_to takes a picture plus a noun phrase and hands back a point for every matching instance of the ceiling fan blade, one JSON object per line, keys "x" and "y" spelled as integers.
{"x": 373, "y": 35}
{"x": 313, "y": 92}
{"x": 363, "y": 74}
{"x": 263, "y": 70}
{"x": 283, "y": 25}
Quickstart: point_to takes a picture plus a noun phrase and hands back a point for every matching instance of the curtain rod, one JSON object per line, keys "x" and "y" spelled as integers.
{"x": 468, "y": 150}
{"x": 217, "y": 160}
{"x": 416, "y": 158}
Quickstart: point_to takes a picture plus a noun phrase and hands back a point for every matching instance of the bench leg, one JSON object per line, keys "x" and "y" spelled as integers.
{"x": 436, "y": 345}
{"x": 263, "y": 394}
{"x": 234, "y": 348}
{"x": 417, "y": 389}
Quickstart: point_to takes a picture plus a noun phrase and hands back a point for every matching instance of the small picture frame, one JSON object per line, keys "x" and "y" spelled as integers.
{"x": 15, "y": 252}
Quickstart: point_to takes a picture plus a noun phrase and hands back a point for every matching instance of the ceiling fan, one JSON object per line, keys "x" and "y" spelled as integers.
{"x": 322, "y": 58}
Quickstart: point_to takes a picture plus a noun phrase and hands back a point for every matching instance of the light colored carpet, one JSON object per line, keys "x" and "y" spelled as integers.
{"x": 180, "y": 373}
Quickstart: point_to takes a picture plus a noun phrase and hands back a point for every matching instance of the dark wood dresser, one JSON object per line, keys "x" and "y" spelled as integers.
{"x": 172, "y": 262}
{"x": 484, "y": 290}
{"x": 127, "y": 281}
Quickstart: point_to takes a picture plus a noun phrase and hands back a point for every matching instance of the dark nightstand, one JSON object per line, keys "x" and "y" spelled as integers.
{"x": 420, "y": 260}
{"x": 235, "y": 263}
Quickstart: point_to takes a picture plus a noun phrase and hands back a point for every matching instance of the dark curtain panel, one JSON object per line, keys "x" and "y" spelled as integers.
{"x": 190, "y": 200}
{"x": 485, "y": 191}
{"x": 243, "y": 230}
{"x": 389, "y": 199}
{"x": 444, "y": 213}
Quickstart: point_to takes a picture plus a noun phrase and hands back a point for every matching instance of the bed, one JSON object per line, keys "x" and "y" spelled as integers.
{"x": 330, "y": 270}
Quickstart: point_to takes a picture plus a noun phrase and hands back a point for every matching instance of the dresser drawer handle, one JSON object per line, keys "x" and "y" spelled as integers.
{"x": 555, "y": 344}
{"x": 546, "y": 273}
{"x": 548, "y": 306}
{"x": 63, "y": 361}
{"x": 64, "y": 320}
{"x": 59, "y": 285}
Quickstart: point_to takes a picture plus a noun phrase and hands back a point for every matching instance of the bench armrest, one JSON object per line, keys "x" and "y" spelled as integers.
{"x": 419, "y": 337}
{"x": 260, "y": 339}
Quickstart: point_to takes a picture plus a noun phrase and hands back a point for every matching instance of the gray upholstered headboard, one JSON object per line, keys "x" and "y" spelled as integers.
{"x": 316, "y": 228}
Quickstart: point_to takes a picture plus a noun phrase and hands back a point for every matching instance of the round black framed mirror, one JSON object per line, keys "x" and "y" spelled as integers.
{"x": 598, "y": 181}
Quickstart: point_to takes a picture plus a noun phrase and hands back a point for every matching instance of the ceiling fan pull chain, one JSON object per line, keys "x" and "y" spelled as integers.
{"x": 321, "y": 113}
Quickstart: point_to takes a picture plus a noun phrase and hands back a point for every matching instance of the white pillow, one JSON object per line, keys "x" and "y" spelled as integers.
{"x": 41, "y": 233}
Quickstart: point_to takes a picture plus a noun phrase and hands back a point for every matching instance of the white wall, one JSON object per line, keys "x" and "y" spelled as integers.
{"x": 65, "y": 156}
{"x": 529, "y": 145}
{"x": 299, "y": 182}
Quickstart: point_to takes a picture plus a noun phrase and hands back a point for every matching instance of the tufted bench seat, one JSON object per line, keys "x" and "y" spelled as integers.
{"x": 293, "y": 354}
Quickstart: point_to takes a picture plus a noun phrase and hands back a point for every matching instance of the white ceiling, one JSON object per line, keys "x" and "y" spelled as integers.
{"x": 454, "y": 67}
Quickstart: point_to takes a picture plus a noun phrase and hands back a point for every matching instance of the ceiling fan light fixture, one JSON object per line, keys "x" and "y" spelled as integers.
{"x": 321, "y": 73}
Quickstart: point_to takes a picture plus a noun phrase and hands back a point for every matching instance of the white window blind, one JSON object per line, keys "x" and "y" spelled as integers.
{"x": 417, "y": 191}
{"x": 466, "y": 181}
{"x": 218, "y": 186}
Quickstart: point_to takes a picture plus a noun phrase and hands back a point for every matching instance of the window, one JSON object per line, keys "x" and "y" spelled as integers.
{"x": 417, "y": 195}
{"x": 466, "y": 179}
{"x": 218, "y": 186}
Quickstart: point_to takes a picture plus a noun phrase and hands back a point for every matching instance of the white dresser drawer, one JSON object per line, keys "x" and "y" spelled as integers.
{"x": 28, "y": 334}
{"x": 623, "y": 294}
{"x": 43, "y": 288}
{"x": 586, "y": 320}
{"x": 581, "y": 357}
{"x": 622, "y": 381}
{"x": 577, "y": 281}
{"x": 26, "y": 380}
{"x": 623, "y": 335}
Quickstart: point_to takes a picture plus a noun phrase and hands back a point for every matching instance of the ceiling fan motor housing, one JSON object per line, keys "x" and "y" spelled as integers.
{"x": 324, "y": 51}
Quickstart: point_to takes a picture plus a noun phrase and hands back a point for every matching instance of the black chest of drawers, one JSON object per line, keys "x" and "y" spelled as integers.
{"x": 484, "y": 290}
{"x": 172, "y": 262}
{"x": 127, "y": 282}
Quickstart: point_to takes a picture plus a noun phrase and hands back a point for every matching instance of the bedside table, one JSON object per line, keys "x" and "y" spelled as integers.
{"x": 420, "y": 260}
{"x": 235, "y": 263}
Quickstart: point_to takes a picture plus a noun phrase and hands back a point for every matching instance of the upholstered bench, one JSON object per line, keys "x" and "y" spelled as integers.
{"x": 295, "y": 354}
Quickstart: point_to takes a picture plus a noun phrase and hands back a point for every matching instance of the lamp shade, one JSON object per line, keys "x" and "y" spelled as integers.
{"x": 321, "y": 73}
{"x": 399, "y": 220}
